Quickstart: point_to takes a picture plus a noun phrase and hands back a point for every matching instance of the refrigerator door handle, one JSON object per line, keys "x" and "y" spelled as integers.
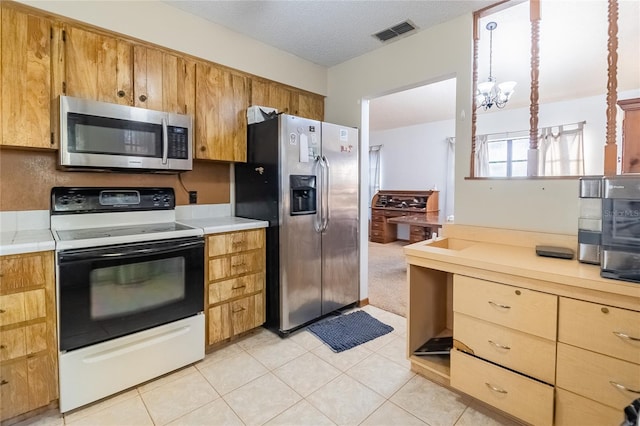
{"x": 325, "y": 194}
{"x": 318, "y": 219}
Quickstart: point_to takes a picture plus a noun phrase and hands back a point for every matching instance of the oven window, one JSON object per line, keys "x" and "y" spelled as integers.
{"x": 136, "y": 287}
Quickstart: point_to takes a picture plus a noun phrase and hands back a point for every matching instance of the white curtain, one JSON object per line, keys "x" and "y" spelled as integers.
{"x": 481, "y": 157}
{"x": 561, "y": 151}
{"x": 374, "y": 170}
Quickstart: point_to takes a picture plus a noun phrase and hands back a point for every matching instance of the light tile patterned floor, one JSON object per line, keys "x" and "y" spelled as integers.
{"x": 265, "y": 380}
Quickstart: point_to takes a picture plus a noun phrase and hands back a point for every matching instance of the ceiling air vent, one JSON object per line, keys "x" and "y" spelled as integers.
{"x": 395, "y": 31}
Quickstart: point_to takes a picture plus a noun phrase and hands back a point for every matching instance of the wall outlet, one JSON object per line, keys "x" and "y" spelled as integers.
{"x": 193, "y": 197}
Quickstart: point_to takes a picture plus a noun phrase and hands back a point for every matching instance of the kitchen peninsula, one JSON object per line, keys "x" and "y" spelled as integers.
{"x": 547, "y": 341}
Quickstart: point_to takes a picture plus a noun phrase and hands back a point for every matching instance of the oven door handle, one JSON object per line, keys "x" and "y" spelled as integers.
{"x": 123, "y": 251}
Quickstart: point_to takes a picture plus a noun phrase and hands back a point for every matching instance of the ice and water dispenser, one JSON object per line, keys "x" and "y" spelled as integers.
{"x": 303, "y": 194}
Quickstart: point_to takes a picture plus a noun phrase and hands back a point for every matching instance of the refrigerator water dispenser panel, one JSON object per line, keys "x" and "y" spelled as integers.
{"x": 303, "y": 194}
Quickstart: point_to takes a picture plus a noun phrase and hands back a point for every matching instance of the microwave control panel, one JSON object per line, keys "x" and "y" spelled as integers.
{"x": 178, "y": 142}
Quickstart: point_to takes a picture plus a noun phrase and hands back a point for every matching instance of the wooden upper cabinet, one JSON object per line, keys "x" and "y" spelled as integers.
{"x": 630, "y": 135}
{"x": 307, "y": 105}
{"x": 270, "y": 94}
{"x": 25, "y": 86}
{"x": 287, "y": 100}
{"x": 163, "y": 81}
{"x": 222, "y": 99}
{"x": 98, "y": 67}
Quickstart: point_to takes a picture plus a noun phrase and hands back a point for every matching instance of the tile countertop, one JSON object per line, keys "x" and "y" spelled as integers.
{"x": 216, "y": 225}
{"x": 29, "y": 241}
{"x": 26, "y": 241}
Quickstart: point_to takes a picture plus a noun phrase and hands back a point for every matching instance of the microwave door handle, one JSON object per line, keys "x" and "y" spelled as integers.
{"x": 165, "y": 141}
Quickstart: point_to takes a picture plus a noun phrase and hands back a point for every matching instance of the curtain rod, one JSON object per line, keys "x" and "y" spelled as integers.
{"x": 526, "y": 132}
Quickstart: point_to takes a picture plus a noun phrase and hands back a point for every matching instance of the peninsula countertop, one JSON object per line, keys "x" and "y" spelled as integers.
{"x": 516, "y": 256}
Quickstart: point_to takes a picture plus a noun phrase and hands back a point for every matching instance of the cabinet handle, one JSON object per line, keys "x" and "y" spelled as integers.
{"x": 495, "y": 388}
{"x": 623, "y": 387}
{"x": 238, "y": 264}
{"x": 498, "y": 345}
{"x": 238, "y": 310}
{"x": 121, "y": 93}
{"x": 143, "y": 98}
{"x": 238, "y": 287}
{"x": 4, "y": 382}
{"x": 626, "y": 336}
{"x": 499, "y": 305}
{"x": 2, "y": 311}
{"x": 3, "y": 347}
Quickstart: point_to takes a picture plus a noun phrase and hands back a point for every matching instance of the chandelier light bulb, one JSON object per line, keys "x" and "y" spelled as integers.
{"x": 489, "y": 93}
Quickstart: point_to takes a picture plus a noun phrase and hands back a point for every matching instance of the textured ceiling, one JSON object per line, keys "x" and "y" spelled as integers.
{"x": 325, "y": 32}
{"x": 572, "y": 46}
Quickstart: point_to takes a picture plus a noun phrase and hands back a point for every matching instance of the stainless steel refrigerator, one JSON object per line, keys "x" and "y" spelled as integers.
{"x": 302, "y": 176}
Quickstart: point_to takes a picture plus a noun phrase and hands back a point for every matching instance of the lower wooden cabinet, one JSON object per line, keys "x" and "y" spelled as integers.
{"x": 506, "y": 390}
{"x": 235, "y": 296}
{"x": 572, "y": 409}
{"x": 28, "y": 355}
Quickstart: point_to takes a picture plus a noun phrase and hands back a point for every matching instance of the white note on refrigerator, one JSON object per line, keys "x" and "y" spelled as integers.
{"x": 304, "y": 148}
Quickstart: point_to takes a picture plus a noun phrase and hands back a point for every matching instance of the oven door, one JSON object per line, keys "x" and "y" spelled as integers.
{"x": 112, "y": 291}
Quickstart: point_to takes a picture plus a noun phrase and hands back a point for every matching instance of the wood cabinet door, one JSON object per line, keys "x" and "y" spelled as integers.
{"x": 219, "y": 323}
{"x": 98, "y": 67}
{"x": 25, "y": 86}
{"x": 14, "y": 389}
{"x": 247, "y": 313}
{"x": 163, "y": 81}
{"x": 270, "y": 94}
{"x": 222, "y": 99}
{"x": 307, "y": 105}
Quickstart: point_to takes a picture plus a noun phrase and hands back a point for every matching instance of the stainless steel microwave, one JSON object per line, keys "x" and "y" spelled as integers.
{"x": 99, "y": 135}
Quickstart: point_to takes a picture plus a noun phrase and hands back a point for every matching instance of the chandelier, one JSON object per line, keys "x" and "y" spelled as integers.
{"x": 489, "y": 93}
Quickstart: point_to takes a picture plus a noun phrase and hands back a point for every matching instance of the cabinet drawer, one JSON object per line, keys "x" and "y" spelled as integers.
{"x": 510, "y": 392}
{"x": 525, "y": 353}
{"x": 572, "y": 410}
{"x": 590, "y": 374}
{"x": 377, "y": 216}
{"x": 518, "y": 308}
{"x": 25, "y": 306}
{"x": 236, "y": 287}
{"x": 23, "y": 341}
{"x": 225, "y": 267}
{"x": 24, "y": 271}
{"x": 234, "y": 242}
{"x": 378, "y": 226}
{"x": 247, "y": 313}
{"x": 611, "y": 330}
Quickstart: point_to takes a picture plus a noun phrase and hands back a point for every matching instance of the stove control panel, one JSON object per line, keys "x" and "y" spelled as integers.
{"x": 66, "y": 200}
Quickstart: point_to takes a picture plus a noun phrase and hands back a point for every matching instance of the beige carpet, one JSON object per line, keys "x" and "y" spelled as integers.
{"x": 388, "y": 277}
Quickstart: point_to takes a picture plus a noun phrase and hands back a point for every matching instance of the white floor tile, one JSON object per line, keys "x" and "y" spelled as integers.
{"x": 381, "y": 374}
{"x": 306, "y": 339}
{"x": 130, "y": 411}
{"x": 390, "y": 414}
{"x": 90, "y": 409}
{"x": 342, "y": 360}
{"x": 430, "y": 402}
{"x": 307, "y": 373}
{"x": 262, "y": 399}
{"x": 177, "y": 398}
{"x": 274, "y": 354}
{"x": 215, "y": 413}
{"x": 233, "y": 372}
{"x": 346, "y": 401}
{"x": 259, "y": 337}
{"x": 476, "y": 415}
{"x": 396, "y": 351}
{"x": 302, "y": 413}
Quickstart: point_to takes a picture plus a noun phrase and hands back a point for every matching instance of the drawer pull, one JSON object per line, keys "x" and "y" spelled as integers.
{"x": 495, "y": 388}
{"x": 499, "y": 346}
{"x": 2, "y": 311}
{"x": 238, "y": 264}
{"x": 3, "y": 347}
{"x": 626, "y": 336}
{"x": 623, "y": 387}
{"x": 238, "y": 287}
{"x": 4, "y": 382}
{"x": 238, "y": 310}
{"x": 499, "y": 305}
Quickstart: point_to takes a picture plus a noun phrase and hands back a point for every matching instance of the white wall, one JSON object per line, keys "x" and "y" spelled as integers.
{"x": 159, "y": 23}
{"x": 414, "y": 157}
{"x": 549, "y": 205}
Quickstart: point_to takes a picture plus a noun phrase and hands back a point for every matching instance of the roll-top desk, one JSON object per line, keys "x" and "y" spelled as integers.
{"x": 418, "y": 209}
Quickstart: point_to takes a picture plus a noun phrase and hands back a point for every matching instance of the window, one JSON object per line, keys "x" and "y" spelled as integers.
{"x": 508, "y": 157}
